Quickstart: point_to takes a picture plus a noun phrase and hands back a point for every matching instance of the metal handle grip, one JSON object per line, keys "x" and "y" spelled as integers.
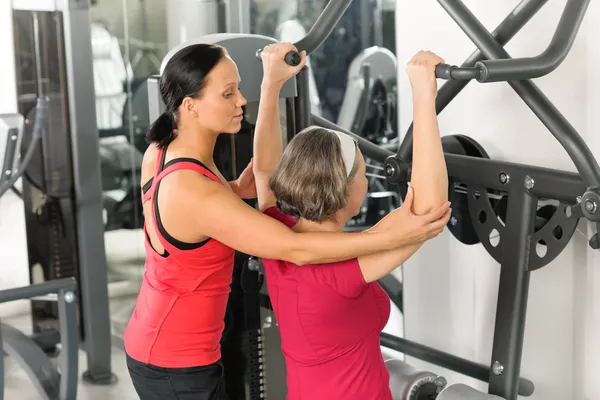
{"x": 452, "y": 72}
{"x": 321, "y": 29}
{"x": 516, "y": 69}
{"x": 291, "y": 58}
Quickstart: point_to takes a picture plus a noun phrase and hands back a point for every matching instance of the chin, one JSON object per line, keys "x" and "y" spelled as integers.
{"x": 234, "y": 129}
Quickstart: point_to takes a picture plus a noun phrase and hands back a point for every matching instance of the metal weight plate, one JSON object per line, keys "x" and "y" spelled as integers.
{"x": 461, "y": 224}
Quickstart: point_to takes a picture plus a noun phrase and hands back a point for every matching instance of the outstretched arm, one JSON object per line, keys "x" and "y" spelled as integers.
{"x": 429, "y": 175}
{"x": 268, "y": 145}
{"x": 429, "y": 179}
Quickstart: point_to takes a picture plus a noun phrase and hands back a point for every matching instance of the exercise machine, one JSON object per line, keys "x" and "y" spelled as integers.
{"x": 504, "y": 198}
{"x": 496, "y": 195}
{"x": 53, "y": 379}
{"x": 51, "y": 91}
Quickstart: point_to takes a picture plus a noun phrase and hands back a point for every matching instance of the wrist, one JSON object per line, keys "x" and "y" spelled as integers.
{"x": 384, "y": 238}
{"x": 269, "y": 86}
{"x": 424, "y": 98}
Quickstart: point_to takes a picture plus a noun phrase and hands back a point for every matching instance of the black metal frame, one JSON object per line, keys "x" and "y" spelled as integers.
{"x": 61, "y": 291}
{"x": 524, "y": 184}
{"x": 70, "y": 241}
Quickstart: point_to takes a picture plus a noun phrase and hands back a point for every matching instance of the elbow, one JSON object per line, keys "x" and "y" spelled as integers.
{"x": 300, "y": 258}
{"x": 429, "y": 203}
{"x": 262, "y": 171}
{"x": 293, "y": 253}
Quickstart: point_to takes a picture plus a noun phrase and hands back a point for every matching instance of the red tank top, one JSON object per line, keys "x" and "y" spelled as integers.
{"x": 180, "y": 310}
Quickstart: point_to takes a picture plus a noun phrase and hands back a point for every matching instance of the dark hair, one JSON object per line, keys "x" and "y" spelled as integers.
{"x": 310, "y": 180}
{"x": 183, "y": 76}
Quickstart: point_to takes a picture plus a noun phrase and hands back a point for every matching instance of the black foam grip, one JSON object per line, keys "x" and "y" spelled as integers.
{"x": 293, "y": 58}
{"x": 443, "y": 71}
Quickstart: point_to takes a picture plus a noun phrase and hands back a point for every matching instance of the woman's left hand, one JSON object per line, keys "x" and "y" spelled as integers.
{"x": 275, "y": 70}
{"x": 245, "y": 186}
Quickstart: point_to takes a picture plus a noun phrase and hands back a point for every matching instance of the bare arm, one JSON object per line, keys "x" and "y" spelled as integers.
{"x": 429, "y": 175}
{"x": 268, "y": 144}
{"x": 429, "y": 179}
{"x": 377, "y": 265}
{"x": 221, "y": 215}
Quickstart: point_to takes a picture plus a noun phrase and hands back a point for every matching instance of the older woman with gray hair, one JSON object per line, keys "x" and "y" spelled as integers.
{"x": 330, "y": 314}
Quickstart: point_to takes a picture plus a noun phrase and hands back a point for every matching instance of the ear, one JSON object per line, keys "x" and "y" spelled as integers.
{"x": 189, "y": 105}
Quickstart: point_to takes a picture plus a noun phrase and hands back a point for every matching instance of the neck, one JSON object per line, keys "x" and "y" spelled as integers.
{"x": 195, "y": 142}
{"x": 334, "y": 224}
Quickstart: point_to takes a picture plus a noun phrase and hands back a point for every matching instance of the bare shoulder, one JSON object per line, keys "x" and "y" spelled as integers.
{"x": 190, "y": 188}
{"x": 149, "y": 163}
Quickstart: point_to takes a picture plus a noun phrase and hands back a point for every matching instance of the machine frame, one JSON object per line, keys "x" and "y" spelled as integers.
{"x": 78, "y": 193}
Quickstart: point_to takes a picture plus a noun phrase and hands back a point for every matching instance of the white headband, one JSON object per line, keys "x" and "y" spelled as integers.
{"x": 348, "y": 150}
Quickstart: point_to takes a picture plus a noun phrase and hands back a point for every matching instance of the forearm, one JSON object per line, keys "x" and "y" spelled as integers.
{"x": 429, "y": 175}
{"x": 327, "y": 247}
{"x": 268, "y": 145}
{"x": 378, "y": 265}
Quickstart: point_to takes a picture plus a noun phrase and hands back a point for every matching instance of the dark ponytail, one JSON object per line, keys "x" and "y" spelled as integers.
{"x": 183, "y": 76}
{"x": 162, "y": 130}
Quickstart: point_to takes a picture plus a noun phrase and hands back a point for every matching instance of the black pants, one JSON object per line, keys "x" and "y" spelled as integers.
{"x": 193, "y": 383}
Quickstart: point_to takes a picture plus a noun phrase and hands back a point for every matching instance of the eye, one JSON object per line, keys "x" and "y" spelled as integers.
{"x": 228, "y": 94}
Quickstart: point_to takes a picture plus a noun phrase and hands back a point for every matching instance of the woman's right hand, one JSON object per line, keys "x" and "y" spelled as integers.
{"x": 275, "y": 70}
{"x": 407, "y": 228}
{"x": 421, "y": 73}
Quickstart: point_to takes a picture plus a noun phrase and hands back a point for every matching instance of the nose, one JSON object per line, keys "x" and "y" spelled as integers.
{"x": 242, "y": 100}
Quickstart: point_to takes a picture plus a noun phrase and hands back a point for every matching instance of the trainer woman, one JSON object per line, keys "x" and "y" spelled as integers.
{"x": 194, "y": 219}
{"x": 330, "y": 315}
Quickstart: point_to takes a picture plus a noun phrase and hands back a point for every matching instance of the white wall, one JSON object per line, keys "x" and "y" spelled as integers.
{"x": 450, "y": 288}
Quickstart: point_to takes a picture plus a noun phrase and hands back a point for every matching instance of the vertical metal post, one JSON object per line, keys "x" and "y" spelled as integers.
{"x": 237, "y": 18}
{"x": 291, "y": 120}
{"x": 512, "y": 294}
{"x": 1, "y": 369}
{"x": 69, "y": 365}
{"x": 93, "y": 283}
{"x": 302, "y": 101}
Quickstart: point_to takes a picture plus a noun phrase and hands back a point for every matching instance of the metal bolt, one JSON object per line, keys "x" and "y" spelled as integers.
{"x": 504, "y": 178}
{"x": 440, "y": 382}
{"x": 7, "y": 172}
{"x": 253, "y": 264}
{"x": 69, "y": 297}
{"x": 497, "y": 368}
{"x": 578, "y": 199}
{"x": 13, "y": 137}
{"x": 390, "y": 170}
{"x": 590, "y": 206}
{"x": 453, "y": 221}
{"x": 529, "y": 182}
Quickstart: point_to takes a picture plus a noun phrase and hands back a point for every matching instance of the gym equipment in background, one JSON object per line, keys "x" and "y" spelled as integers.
{"x": 369, "y": 107}
{"x": 61, "y": 188}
